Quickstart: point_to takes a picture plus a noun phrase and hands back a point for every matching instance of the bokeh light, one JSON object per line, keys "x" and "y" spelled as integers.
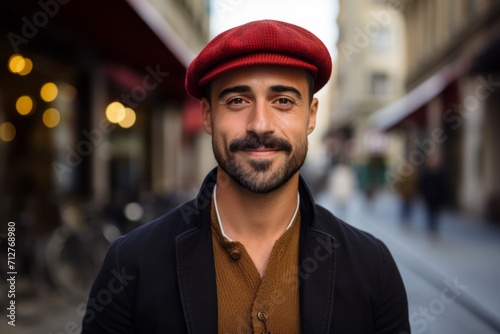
{"x": 16, "y": 63}
{"x": 51, "y": 117}
{"x": 7, "y": 131}
{"x": 115, "y": 112}
{"x": 68, "y": 93}
{"x": 133, "y": 211}
{"x": 129, "y": 119}
{"x": 28, "y": 66}
{"x": 24, "y": 105}
{"x": 49, "y": 92}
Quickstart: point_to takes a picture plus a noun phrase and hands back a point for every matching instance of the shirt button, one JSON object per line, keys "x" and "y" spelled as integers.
{"x": 235, "y": 254}
{"x": 262, "y": 315}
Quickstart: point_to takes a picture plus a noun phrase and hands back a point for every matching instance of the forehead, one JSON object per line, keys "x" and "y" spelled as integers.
{"x": 263, "y": 76}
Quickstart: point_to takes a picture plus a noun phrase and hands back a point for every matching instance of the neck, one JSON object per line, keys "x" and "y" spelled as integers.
{"x": 245, "y": 215}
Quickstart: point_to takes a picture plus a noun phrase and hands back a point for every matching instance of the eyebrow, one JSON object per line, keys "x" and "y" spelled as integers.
{"x": 284, "y": 89}
{"x": 235, "y": 89}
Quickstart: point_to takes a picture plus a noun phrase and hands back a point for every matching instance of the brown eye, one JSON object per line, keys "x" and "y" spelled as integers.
{"x": 284, "y": 101}
{"x": 237, "y": 100}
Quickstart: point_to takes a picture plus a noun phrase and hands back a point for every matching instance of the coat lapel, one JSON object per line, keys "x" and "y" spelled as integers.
{"x": 197, "y": 285}
{"x": 316, "y": 270}
{"x": 195, "y": 268}
{"x": 317, "y": 280}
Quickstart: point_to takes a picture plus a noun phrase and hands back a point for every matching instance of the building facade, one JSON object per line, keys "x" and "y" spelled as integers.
{"x": 369, "y": 75}
{"x": 453, "y": 90}
{"x": 93, "y": 108}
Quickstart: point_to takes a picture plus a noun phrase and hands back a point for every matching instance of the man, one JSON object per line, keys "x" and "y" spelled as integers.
{"x": 251, "y": 253}
{"x": 433, "y": 190}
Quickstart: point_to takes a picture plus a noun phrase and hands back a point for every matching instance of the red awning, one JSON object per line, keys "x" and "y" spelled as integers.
{"x": 120, "y": 32}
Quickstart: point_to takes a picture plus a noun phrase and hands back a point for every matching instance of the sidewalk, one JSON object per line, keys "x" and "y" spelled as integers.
{"x": 466, "y": 252}
{"x": 50, "y": 314}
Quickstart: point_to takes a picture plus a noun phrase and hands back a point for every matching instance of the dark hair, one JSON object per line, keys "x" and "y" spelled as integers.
{"x": 207, "y": 90}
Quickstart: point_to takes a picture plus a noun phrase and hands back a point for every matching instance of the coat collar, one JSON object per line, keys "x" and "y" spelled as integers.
{"x": 196, "y": 273}
{"x": 195, "y": 264}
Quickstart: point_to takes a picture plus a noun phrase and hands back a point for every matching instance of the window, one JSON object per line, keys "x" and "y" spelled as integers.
{"x": 473, "y": 10}
{"x": 454, "y": 15}
{"x": 379, "y": 84}
{"x": 381, "y": 42}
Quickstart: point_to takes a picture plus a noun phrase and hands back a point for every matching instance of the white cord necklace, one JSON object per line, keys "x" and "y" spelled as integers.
{"x": 220, "y": 221}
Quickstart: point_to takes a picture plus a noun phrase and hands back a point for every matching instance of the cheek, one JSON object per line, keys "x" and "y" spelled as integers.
{"x": 222, "y": 135}
{"x": 293, "y": 128}
{"x": 228, "y": 128}
{"x": 299, "y": 119}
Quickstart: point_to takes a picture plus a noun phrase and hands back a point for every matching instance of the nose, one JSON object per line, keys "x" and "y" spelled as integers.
{"x": 260, "y": 119}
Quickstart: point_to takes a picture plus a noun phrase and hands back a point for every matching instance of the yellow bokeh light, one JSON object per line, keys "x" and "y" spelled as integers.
{"x": 129, "y": 119}
{"x": 49, "y": 92}
{"x": 7, "y": 131}
{"x": 51, "y": 117}
{"x": 16, "y": 63}
{"x": 115, "y": 112}
{"x": 28, "y": 66}
{"x": 24, "y": 105}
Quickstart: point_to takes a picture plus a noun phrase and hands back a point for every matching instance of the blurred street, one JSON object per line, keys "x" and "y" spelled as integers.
{"x": 49, "y": 314}
{"x": 451, "y": 279}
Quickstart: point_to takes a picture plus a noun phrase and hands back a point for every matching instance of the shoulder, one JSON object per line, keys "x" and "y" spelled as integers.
{"x": 367, "y": 276}
{"x": 345, "y": 233}
{"x": 363, "y": 258}
{"x": 355, "y": 249}
{"x": 160, "y": 234}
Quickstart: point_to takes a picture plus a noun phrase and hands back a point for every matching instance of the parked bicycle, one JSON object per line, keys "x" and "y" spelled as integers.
{"x": 74, "y": 253}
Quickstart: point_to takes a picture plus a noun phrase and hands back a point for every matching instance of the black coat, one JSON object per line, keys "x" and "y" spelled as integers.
{"x": 160, "y": 278}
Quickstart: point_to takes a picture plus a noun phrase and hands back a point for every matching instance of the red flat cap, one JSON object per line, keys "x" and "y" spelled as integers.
{"x": 265, "y": 42}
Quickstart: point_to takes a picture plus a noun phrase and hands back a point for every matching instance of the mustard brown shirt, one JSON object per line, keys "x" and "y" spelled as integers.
{"x": 248, "y": 303}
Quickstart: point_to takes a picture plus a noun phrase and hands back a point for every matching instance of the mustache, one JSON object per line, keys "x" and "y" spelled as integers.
{"x": 254, "y": 141}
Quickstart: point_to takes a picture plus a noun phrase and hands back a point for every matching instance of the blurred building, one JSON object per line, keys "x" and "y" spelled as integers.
{"x": 450, "y": 110}
{"x": 369, "y": 75}
{"x": 92, "y": 103}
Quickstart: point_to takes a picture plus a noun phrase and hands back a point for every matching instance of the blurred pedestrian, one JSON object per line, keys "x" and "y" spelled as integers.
{"x": 342, "y": 184}
{"x": 433, "y": 191}
{"x": 408, "y": 189}
{"x": 252, "y": 253}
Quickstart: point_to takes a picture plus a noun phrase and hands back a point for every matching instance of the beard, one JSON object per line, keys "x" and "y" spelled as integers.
{"x": 260, "y": 176}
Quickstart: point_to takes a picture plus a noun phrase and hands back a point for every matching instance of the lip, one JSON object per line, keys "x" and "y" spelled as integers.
{"x": 261, "y": 152}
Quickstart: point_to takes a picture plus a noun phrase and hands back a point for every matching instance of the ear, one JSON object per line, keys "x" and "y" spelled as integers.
{"x": 313, "y": 109}
{"x": 206, "y": 116}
